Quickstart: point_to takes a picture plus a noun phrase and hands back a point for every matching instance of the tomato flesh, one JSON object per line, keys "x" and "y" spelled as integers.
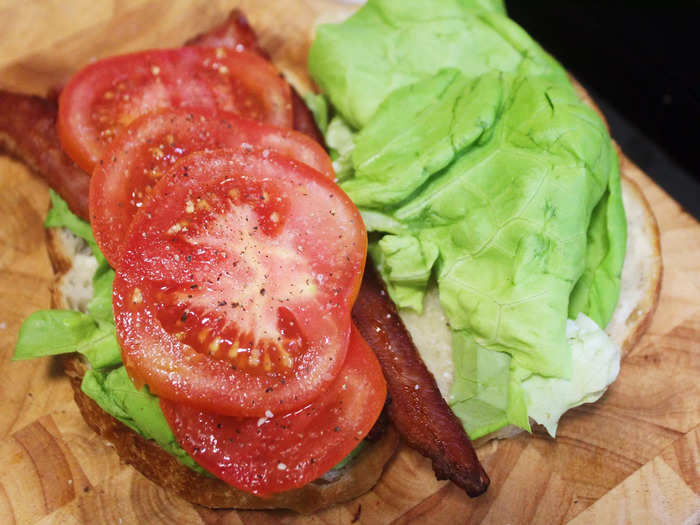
{"x": 236, "y": 283}
{"x": 285, "y": 451}
{"x": 150, "y": 145}
{"x": 104, "y": 97}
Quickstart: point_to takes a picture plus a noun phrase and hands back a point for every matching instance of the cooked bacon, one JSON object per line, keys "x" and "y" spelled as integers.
{"x": 303, "y": 119}
{"x": 28, "y": 132}
{"x": 233, "y": 32}
{"x": 417, "y": 409}
{"x": 236, "y": 33}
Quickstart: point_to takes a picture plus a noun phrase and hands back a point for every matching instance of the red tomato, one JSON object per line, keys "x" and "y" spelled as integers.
{"x": 285, "y": 451}
{"x": 150, "y": 145}
{"x": 103, "y": 98}
{"x": 236, "y": 283}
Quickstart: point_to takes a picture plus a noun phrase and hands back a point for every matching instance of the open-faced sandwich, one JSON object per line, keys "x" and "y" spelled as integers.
{"x": 219, "y": 323}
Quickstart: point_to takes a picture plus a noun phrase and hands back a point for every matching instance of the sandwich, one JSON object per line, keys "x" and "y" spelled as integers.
{"x": 508, "y": 395}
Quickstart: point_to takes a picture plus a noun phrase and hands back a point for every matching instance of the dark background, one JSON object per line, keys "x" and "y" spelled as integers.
{"x": 641, "y": 62}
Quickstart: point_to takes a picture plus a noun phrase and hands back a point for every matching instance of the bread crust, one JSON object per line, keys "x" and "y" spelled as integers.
{"x": 640, "y": 318}
{"x": 356, "y": 478}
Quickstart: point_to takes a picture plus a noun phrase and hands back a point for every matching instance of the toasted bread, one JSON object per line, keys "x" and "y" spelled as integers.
{"x": 343, "y": 484}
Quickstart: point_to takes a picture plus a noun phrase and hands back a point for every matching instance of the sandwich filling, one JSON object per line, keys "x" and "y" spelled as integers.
{"x": 492, "y": 195}
{"x": 490, "y": 187}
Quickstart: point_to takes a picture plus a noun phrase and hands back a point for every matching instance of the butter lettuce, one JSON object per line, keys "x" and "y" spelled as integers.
{"x": 140, "y": 410}
{"x": 387, "y": 45}
{"x": 476, "y": 165}
{"x": 54, "y": 332}
{"x": 92, "y": 334}
{"x": 341, "y": 143}
{"x": 596, "y": 365}
{"x": 598, "y": 288}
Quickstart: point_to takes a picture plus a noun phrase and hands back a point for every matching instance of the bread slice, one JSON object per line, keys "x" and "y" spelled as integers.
{"x": 74, "y": 266}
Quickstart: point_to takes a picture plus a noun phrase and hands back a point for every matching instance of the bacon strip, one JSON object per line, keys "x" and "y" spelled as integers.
{"x": 235, "y": 33}
{"x": 417, "y": 409}
{"x": 28, "y": 132}
{"x": 28, "y": 123}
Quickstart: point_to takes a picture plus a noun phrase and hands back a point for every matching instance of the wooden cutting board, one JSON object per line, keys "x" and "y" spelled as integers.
{"x": 633, "y": 457}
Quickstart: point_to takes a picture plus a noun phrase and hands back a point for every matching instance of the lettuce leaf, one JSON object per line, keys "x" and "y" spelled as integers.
{"x": 140, "y": 410}
{"x": 340, "y": 139}
{"x": 100, "y": 306}
{"x": 54, "y": 332}
{"x": 597, "y": 363}
{"x": 596, "y": 292}
{"x": 477, "y": 166}
{"x": 508, "y": 217}
{"x": 387, "y": 45}
{"x": 60, "y": 216}
{"x": 318, "y": 106}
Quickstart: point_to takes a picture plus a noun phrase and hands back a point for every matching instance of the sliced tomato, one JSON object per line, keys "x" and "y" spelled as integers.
{"x": 236, "y": 33}
{"x": 285, "y": 451}
{"x": 150, "y": 145}
{"x": 236, "y": 283}
{"x": 104, "y": 97}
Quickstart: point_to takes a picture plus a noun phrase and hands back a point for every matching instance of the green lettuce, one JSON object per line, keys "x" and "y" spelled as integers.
{"x": 92, "y": 334}
{"x": 387, "y": 45}
{"x": 478, "y": 167}
{"x": 60, "y": 216}
{"x": 319, "y": 109}
{"x": 597, "y": 363}
{"x": 140, "y": 410}
{"x": 340, "y": 139}
{"x": 54, "y": 332}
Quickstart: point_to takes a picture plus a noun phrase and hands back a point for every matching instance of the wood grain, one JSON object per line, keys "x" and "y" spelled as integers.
{"x": 631, "y": 458}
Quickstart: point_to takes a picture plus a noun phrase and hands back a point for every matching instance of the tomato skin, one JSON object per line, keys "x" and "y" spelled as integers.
{"x": 312, "y": 256}
{"x": 151, "y": 144}
{"x": 286, "y": 451}
{"x": 104, "y": 97}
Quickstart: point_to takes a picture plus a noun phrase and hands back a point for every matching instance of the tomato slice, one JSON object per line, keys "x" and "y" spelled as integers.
{"x": 104, "y": 97}
{"x": 236, "y": 283}
{"x": 151, "y": 144}
{"x": 285, "y": 451}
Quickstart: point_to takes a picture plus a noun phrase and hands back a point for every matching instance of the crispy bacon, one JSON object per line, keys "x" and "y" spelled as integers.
{"x": 28, "y": 123}
{"x": 303, "y": 119}
{"x": 236, "y": 33}
{"x": 417, "y": 409}
{"x": 233, "y": 32}
{"x": 28, "y": 131}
